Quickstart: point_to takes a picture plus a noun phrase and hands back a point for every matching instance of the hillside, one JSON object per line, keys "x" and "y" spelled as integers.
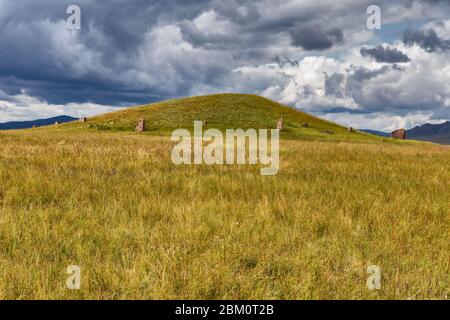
{"x": 222, "y": 111}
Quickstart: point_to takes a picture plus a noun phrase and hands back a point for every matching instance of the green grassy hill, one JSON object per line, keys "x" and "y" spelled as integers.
{"x": 222, "y": 111}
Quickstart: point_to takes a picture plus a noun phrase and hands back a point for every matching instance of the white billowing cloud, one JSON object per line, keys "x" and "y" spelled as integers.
{"x": 66, "y": 47}
{"x": 301, "y": 85}
{"x": 23, "y": 106}
{"x": 172, "y": 64}
{"x": 381, "y": 121}
{"x": 210, "y": 23}
{"x": 442, "y": 28}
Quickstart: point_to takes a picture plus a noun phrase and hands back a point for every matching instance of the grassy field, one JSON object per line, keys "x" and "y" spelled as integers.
{"x": 99, "y": 196}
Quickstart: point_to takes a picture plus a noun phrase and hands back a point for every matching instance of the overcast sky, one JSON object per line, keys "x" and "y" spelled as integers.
{"x": 316, "y": 55}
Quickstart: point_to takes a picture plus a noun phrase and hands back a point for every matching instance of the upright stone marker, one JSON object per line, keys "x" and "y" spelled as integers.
{"x": 280, "y": 124}
{"x": 140, "y": 125}
{"x": 399, "y": 134}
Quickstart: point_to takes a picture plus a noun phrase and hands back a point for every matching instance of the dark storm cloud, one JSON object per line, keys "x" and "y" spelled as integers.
{"x": 333, "y": 84}
{"x": 112, "y": 35}
{"x": 385, "y": 54}
{"x": 359, "y": 73}
{"x": 200, "y": 39}
{"x": 398, "y": 67}
{"x": 240, "y": 12}
{"x": 426, "y": 39}
{"x": 110, "y": 45}
{"x": 344, "y": 110}
{"x": 282, "y": 62}
{"x": 137, "y": 51}
{"x": 356, "y": 78}
{"x": 316, "y": 38}
{"x": 354, "y": 84}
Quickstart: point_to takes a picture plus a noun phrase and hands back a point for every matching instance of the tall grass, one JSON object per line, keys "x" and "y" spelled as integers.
{"x": 141, "y": 227}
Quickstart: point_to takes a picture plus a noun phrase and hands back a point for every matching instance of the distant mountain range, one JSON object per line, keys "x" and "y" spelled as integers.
{"x": 439, "y": 133}
{"x": 38, "y": 123}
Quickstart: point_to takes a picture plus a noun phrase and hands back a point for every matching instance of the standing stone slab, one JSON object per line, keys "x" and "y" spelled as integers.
{"x": 399, "y": 134}
{"x": 84, "y": 119}
{"x": 280, "y": 124}
{"x": 140, "y": 125}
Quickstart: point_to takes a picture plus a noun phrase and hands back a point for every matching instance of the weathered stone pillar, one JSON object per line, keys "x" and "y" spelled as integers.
{"x": 280, "y": 124}
{"x": 140, "y": 125}
{"x": 399, "y": 134}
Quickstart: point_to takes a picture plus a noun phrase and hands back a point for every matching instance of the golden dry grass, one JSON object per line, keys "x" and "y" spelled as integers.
{"x": 141, "y": 227}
